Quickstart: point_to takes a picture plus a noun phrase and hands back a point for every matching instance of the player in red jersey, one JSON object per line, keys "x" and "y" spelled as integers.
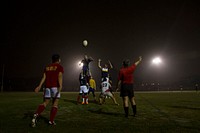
{"x": 52, "y": 78}
{"x": 125, "y": 83}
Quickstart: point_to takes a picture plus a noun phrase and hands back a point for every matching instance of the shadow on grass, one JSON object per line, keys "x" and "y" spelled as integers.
{"x": 185, "y": 107}
{"x": 29, "y": 115}
{"x": 75, "y": 102}
{"x": 93, "y": 101}
{"x": 70, "y": 100}
{"x": 100, "y": 111}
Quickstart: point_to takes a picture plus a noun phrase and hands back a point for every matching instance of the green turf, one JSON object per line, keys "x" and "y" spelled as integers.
{"x": 158, "y": 112}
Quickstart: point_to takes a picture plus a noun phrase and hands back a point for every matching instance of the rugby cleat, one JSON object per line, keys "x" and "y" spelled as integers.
{"x": 34, "y": 120}
{"x": 117, "y": 104}
{"x": 52, "y": 123}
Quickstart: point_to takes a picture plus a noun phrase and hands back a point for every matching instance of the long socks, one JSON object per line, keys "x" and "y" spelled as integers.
{"x": 53, "y": 113}
{"x": 134, "y": 109}
{"x": 126, "y": 111}
{"x": 78, "y": 98}
{"x": 40, "y": 109}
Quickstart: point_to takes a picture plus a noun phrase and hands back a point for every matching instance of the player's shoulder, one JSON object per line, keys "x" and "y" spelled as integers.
{"x": 60, "y": 67}
{"x": 133, "y": 66}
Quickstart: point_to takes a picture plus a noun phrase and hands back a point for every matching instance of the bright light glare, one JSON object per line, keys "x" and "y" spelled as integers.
{"x": 157, "y": 60}
{"x": 80, "y": 64}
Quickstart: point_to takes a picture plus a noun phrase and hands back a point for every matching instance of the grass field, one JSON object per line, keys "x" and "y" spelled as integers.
{"x": 157, "y": 112}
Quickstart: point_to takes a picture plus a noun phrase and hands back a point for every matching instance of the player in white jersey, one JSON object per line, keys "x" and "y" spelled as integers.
{"x": 105, "y": 91}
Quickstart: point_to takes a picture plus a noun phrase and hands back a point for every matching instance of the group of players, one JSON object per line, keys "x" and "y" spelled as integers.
{"x": 53, "y": 80}
{"x": 87, "y": 83}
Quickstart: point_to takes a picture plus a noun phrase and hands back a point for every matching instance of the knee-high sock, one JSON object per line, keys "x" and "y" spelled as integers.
{"x": 86, "y": 99}
{"x": 78, "y": 98}
{"x": 126, "y": 111}
{"x": 134, "y": 109}
{"x": 83, "y": 97}
{"x": 53, "y": 113}
{"x": 40, "y": 109}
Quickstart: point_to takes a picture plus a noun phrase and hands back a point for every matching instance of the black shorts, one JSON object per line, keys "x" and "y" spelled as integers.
{"x": 127, "y": 90}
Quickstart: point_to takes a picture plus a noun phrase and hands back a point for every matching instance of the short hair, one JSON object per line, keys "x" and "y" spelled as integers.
{"x": 104, "y": 79}
{"x": 126, "y": 63}
{"x": 55, "y": 58}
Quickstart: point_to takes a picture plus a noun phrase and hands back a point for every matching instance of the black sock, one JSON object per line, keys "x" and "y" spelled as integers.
{"x": 126, "y": 111}
{"x": 134, "y": 109}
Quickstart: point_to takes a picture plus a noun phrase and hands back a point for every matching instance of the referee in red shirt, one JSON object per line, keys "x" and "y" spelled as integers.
{"x": 126, "y": 84}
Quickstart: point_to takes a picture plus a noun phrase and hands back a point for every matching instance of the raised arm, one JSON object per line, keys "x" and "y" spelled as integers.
{"x": 138, "y": 62}
{"x": 111, "y": 66}
{"x": 85, "y": 57}
{"x": 99, "y": 63}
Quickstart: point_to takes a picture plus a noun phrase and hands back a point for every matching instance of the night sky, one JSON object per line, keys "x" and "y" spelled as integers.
{"x": 34, "y": 30}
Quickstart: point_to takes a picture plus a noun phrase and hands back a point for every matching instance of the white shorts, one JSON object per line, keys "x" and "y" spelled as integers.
{"x": 51, "y": 93}
{"x": 103, "y": 94}
{"x": 83, "y": 89}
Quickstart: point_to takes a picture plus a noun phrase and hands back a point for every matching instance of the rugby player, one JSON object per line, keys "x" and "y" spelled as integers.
{"x": 105, "y": 69}
{"x": 83, "y": 89}
{"x": 53, "y": 80}
{"x": 105, "y": 91}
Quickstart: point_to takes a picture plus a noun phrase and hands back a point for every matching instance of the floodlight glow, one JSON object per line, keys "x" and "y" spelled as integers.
{"x": 156, "y": 60}
{"x": 80, "y": 64}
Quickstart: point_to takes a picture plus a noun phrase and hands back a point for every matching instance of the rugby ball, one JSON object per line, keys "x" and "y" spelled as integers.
{"x": 85, "y": 43}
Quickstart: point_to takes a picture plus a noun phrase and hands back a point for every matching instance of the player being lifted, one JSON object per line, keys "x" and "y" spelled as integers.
{"x": 105, "y": 69}
{"x": 83, "y": 89}
{"x": 105, "y": 91}
{"x": 85, "y": 69}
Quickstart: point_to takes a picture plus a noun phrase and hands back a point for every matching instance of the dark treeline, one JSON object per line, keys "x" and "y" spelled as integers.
{"x": 28, "y": 84}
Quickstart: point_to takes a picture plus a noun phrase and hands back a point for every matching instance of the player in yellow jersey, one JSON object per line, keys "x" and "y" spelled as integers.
{"x": 92, "y": 87}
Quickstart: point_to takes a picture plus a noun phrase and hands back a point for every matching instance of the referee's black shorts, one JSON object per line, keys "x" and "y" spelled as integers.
{"x": 127, "y": 90}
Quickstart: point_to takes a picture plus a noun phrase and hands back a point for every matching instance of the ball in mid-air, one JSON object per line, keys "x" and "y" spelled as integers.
{"x": 85, "y": 43}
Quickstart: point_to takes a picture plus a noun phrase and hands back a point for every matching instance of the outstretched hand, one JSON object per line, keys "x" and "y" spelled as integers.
{"x": 140, "y": 58}
{"x": 138, "y": 62}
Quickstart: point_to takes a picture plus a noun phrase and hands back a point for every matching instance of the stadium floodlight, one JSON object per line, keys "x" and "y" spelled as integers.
{"x": 157, "y": 61}
{"x": 80, "y": 64}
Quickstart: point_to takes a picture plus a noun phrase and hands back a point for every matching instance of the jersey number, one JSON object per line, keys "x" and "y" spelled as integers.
{"x": 104, "y": 84}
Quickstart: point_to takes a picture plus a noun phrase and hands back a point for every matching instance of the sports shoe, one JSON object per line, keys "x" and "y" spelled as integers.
{"x": 86, "y": 103}
{"x": 34, "y": 120}
{"x": 52, "y": 123}
{"x": 83, "y": 103}
{"x": 134, "y": 114}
